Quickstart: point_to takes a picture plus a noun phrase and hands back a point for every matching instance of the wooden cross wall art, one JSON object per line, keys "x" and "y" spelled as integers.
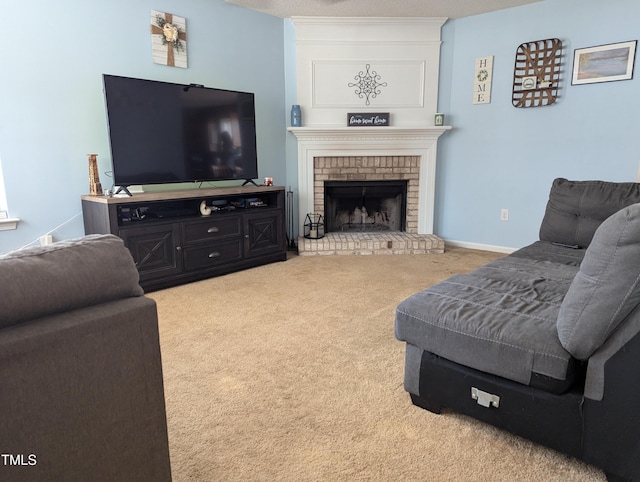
{"x": 536, "y": 75}
{"x": 168, "y": 39}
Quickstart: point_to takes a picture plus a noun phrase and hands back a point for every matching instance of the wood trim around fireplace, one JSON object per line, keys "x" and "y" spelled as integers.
{"x": 366, "y": 142}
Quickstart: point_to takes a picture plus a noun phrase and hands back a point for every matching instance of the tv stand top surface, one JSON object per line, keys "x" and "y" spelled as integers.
{"x": 196, "y": 193}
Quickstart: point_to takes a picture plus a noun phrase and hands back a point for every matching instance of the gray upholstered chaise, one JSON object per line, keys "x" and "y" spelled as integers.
{"x": 544, "y": 342}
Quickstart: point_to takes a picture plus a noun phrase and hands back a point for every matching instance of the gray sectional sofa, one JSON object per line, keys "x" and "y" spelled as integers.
{"x": 544, "y": 342}
{"x": 81, "y": 388}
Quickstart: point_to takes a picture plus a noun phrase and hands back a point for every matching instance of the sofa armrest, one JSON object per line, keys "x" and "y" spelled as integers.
{"x": 595, "y": 383}
{"x": 64, "y": 276}
{"x": 83, "y": 393}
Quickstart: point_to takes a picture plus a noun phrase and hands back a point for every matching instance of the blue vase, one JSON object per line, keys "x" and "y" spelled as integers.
{"x": 296, "y": 116}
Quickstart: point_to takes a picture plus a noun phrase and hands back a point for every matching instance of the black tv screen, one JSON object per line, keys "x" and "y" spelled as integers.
{"x": 162, "y": 132}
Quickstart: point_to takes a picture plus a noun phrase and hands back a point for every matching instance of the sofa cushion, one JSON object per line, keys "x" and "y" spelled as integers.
{"x": 606, "y": 288}
{"x": 500, "y": 319}
{"x": 546, "y": 251}
{"x": 66, "y": 275}
{"x": 576, "y": 208}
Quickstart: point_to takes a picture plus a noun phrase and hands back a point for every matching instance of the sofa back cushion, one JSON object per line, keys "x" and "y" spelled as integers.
{"x": 63, "y": 276}
{"x": 607, "y": 286}
{"x": 576, "y": 208}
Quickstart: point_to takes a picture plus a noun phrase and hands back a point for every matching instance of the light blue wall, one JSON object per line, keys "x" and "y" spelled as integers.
{"x": 498, "y": 156}
{"x": 51, "y": 102}
{"x": 291, "y": 81}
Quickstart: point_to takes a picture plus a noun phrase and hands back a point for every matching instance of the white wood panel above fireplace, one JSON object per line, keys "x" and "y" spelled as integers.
{"x": 367, "y": 65}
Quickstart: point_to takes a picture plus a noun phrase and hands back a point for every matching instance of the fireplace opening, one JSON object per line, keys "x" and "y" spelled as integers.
{"x": 365, "y": 206}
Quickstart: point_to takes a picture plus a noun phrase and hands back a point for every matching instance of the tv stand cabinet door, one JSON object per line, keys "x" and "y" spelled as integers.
{"x": 263, "y": 233}
{"x": 155, "y": 249}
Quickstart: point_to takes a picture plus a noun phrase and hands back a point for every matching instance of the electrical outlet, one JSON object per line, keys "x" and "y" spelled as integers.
{"x": 504, "y": 215}
{"x": 46, "y": 240}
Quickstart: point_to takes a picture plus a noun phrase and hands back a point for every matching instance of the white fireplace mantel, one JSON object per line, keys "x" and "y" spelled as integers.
{"x": 388, "y": 132}
{"x": 369, "y": 141}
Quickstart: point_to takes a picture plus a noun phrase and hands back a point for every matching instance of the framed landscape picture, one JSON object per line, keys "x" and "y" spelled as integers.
{"x": 605, "y": 63}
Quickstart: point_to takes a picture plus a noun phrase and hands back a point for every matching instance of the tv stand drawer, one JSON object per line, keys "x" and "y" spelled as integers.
{"x": 215, "y": 227}
{"x": 213, "y": 254}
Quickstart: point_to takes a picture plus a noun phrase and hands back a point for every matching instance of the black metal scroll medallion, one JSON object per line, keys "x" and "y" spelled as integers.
{"x": 367, "y": 84}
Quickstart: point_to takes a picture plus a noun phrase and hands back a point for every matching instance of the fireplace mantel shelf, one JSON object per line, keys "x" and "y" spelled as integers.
{"x": 311, "y": 132}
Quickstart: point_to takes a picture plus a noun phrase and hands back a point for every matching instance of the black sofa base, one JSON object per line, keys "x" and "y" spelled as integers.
{"x": 568, "y": 423}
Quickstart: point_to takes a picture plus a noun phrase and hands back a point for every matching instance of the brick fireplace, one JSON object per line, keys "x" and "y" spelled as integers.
{"x": 337, "y": 60}
{"x": 362, "y": 170}
{"x": 368, "y": 154}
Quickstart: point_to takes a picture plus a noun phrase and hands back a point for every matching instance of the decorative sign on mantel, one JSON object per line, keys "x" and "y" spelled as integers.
{"x": 368, "y": 119}
{"x": 168, "y": 39}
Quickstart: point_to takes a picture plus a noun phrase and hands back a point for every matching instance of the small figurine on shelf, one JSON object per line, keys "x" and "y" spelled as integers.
{"x": 95, "y": 188}
{"x": 268, "y": 181}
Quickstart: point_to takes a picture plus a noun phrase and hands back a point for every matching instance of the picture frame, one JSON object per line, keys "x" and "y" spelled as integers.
{"x": 604, "y": 63}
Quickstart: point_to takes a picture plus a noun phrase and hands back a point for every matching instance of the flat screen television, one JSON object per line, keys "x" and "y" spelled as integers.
{"x": 161, "y": 132}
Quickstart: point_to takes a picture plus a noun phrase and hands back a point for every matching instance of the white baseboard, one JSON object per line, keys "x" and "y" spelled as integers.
{"x": 481, "y": 247}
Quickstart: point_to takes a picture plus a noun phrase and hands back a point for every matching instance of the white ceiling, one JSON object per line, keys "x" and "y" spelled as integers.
{"x": 378, "y": 8}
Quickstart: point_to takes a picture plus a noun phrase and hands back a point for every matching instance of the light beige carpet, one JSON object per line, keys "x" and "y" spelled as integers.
{"x": 291, "y": 372}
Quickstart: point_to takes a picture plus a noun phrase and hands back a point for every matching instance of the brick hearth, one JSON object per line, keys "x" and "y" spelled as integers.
{"x": 393, "y": 242}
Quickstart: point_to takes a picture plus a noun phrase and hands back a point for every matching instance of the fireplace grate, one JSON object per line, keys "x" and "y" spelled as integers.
{"x": 365, "y": 206}
{"x": 363, "y": 227}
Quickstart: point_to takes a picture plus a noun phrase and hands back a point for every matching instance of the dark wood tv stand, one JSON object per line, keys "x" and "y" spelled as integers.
{"x": 173, "y": 243}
